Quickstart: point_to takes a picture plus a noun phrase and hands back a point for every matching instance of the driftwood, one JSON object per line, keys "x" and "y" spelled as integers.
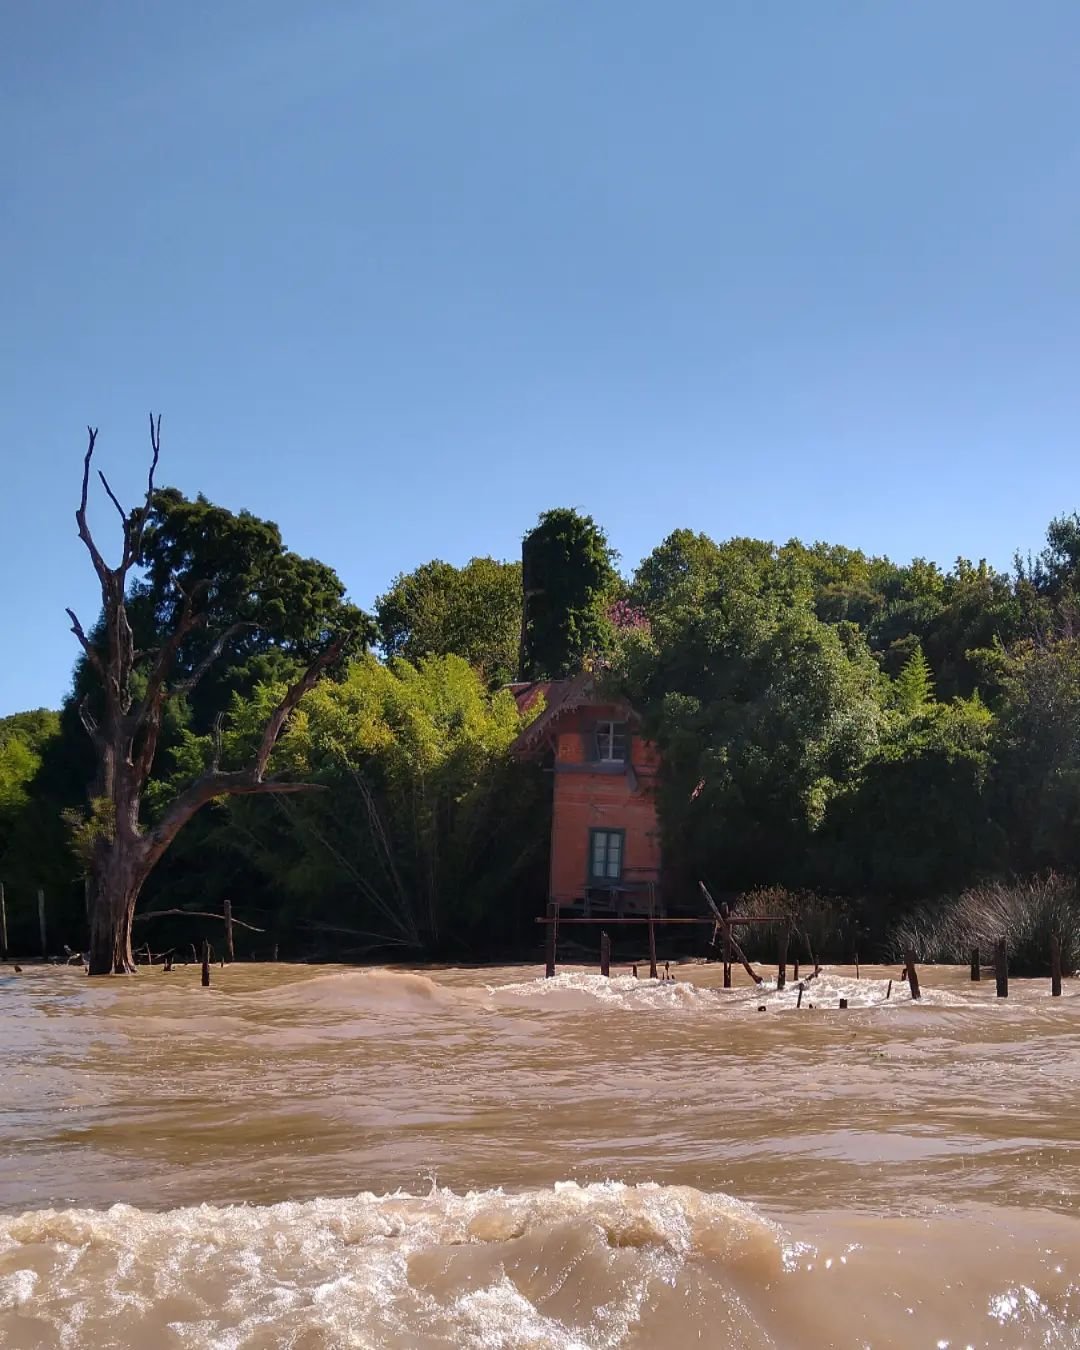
{"x": 194, "y": 914}
{"x": 725, "y": 923}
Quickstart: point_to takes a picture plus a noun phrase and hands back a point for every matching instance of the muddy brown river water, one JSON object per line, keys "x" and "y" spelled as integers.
{"x": 320, "y": 1157}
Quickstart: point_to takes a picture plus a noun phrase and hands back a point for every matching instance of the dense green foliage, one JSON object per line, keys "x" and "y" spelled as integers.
{"x": 832, "y": 724}
{"x": 472, "y": 611}
{"x": 570, "y": 581}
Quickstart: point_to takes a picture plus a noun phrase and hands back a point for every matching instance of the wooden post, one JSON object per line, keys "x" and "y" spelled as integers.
{"x": 1001, "y": 968}
{"x": 652, "y": 948}
{"x": 3, "y": 925}
{"x": 605, "y": 955}
{"x": 41, "y": 923}
{"x": 798, "y": 1001}
{"x": 888, "y": 992}
{"x": 795, "y": 969}
{"x": 843, "y": 1003}
{"x": 550, "y": 938}
{"x": 912, "y": 974}
{"x": 230, "y": 954}
{"x": 781, "y": 972}
{"x": 1055, "y": 967}
{"x": 856, "y": 965}
{"x": 976, "y": 965}
{"x": 206, "y": 964}
{"x": 727, "y": 954}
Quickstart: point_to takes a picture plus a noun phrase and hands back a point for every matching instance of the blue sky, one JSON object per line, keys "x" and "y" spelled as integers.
{"x": 400, "y": 274}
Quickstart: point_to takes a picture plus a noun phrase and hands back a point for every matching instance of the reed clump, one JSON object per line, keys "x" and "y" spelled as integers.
{"x": 820, "y": 924}
{"x": 1026, "y": 912}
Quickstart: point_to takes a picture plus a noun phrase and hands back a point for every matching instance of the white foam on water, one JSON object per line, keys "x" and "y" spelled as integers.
{"x": 571, "y": 1267}
{"x": 573, "y": 990}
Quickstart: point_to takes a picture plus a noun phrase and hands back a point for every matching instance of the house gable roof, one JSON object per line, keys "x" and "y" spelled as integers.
{"x": 561, "y": 697}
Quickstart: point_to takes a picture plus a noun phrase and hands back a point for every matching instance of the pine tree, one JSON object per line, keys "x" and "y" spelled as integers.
{"x": 914, "y": 685}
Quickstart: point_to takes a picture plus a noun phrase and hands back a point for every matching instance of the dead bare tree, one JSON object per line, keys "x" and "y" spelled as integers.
{"x": 125, "y": 731}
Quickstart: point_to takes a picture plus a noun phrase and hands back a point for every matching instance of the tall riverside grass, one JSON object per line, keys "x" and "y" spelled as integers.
{"x": 1027, "y": 913}
{"x": 827, "y": 925}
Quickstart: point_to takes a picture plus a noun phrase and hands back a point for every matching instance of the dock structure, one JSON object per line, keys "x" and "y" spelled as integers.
{"x": 722, "y": 923}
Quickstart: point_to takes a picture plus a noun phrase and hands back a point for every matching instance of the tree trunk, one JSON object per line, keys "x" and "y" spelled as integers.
{"x": 116, "y": 890}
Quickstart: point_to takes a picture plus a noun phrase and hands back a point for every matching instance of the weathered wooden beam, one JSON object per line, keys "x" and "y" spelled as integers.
{"x": 230, "y": 953}
{"x": 549, "y": 955}
{"x": 735, "y": 921}
{"x": 912, "y": 973}
{"x": 1001, "y": 968}
{"x": 727, "y": 954}
{"x": 206, "y": 964}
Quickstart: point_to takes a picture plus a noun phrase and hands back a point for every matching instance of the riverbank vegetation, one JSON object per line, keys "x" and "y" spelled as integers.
{"x": 888, "y": 743}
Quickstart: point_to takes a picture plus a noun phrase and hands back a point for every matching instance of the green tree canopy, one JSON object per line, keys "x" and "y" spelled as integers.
{"x": 569, "y": 581}
{"x": 440, "y": 610}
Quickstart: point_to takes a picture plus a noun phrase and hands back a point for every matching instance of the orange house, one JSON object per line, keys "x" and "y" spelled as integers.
{"x": 605, "y": 838}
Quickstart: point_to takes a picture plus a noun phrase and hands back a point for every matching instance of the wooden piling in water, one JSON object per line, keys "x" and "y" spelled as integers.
{"x": 3, "y": 924}
{"x": 652, "y": 948}
{"x": 1055, "y": 967}
{"x": 206, "y": 964}
{"x": 41, "y": 924}
{"x": 230, "y": 951}
{"x": 550, "y": 939}
{"x": 798, "y": 1001}
{"x": 843, "y": 1003}
{"x": 605, "y": 955}
{"x": 856, "y": 965}
{"x": 976, "y": 965}
{"x": 1001, "y": 968}
{"x": 888, "y": 992}
{"x": 781, "y": 971}
{"x": 912, "y": 974}
{"x": 795, "y": 969}
{"x": 727, "y": 955}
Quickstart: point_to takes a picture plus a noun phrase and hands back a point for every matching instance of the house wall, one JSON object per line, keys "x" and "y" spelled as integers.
{"x": 588, "y": 796}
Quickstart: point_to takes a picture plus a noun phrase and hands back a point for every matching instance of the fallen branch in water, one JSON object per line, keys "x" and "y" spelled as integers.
{"x": 195, "y": 914}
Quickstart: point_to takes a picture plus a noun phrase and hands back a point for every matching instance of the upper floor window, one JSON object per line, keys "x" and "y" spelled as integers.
{"x": 611, "y": 742}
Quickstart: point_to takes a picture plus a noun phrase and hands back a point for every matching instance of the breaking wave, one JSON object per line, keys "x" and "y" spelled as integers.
{"x": 574, "y": 1266}
{"x": 599, "y": 1267}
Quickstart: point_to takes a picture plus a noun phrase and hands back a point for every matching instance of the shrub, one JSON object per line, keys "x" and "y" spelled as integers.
{"x": 828, "y": 925}
{"x": 1027, "y": 913}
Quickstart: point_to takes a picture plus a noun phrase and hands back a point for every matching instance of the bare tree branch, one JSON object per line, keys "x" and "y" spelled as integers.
{"x": 136, "y": 531}
{"x": 194, "y": 914}
{"x": 242, "y": 782}
{"x": 86, "y": 717}
{"x": 92, "y": 653}
{"x": 80, "y": 517}
{"x": 112, "y": 498}
{"x": 296, "y": 692}
{"x": 185, "y": 686}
